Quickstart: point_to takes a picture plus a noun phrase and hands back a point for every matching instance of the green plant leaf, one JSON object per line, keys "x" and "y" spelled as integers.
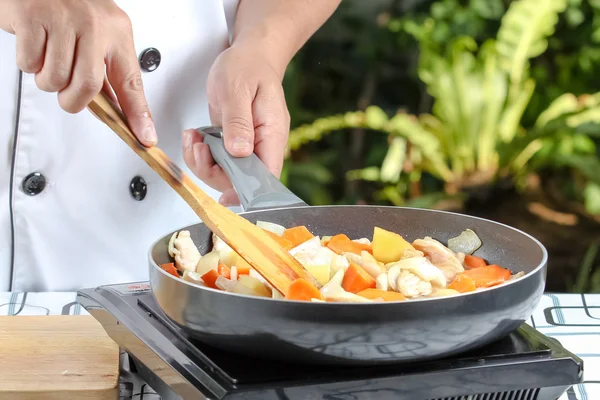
{"x": 409, "y": 128}
{"x": 591, "y": 195}
{"x": 586, "y": 267}
{"x": 311, "y": 171}
{"x": 495, "y": 91}
{"x": 394, "y": 160}
{"x": 513, "y": 112}
{"x": 588, "y": 165}
{"x": 523, "y": 34}
{"x": 567, "y": 103}
{"x": 370, "y": 174}
{"x": 375, "y": 117}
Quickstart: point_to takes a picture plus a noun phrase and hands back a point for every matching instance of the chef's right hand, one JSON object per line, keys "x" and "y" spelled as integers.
{"x": 68, "y": 43}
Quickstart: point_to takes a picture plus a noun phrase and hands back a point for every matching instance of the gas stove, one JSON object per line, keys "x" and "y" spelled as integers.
{"x": 525, "y": 365}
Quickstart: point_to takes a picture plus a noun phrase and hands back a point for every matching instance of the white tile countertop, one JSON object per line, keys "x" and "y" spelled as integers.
{"x": 573, "y": 319}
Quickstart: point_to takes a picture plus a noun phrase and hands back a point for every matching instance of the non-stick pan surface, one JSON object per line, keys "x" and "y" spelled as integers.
{"x": 351, "y": 333}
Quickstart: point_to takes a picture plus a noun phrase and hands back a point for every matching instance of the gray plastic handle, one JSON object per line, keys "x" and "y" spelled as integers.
{"x": 256, "y": 187}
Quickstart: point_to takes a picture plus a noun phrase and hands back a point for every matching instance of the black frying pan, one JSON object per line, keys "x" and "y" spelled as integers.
{"x": 350, "y": 333}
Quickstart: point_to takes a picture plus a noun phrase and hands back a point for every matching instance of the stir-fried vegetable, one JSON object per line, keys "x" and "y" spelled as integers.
{"x": 389, "y": 268}
{"x": 467, "y": 242}
{"x": 297, "y": 235}
{"x": 388, "y": 246}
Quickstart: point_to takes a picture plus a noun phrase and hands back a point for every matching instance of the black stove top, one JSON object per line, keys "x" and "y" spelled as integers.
{"x": 525, "y": 365}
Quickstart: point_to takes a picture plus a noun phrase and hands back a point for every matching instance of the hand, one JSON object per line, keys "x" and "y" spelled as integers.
{"x": 246, "y": 99}
{"x": 68, "y": 43}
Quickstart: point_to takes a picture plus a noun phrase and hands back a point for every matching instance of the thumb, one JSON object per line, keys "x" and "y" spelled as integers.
{"x": 238, "y": 126}
{"x": 123, "y": 72}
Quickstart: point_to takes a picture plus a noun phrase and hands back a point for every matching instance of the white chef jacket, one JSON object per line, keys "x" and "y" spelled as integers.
{"x": 85, "y": 228}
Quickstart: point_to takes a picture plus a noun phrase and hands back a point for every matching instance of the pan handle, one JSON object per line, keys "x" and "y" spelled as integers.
{"x": 256, "y": 187}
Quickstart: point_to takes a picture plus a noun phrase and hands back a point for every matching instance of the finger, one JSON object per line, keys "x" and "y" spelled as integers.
{"x": 108, "y": 90}
{"x": 273, "y": 125}
{"x": 229, "y": 198}
{"x": 88, "y": 75}
{"x": 55, "y": 74}
{"x": 125, "y": 77}
{"x": 189, "y": 138}
{"x": 237, "y": 123}
{"x": 31, "y": 46}
{"x": 198, "y": 158}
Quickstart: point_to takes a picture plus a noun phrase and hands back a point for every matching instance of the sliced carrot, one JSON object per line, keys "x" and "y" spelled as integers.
{"x": 474, "y": 261}
{"x": 224, "y": 271}
{"x": 462, "y": 283}
{"x": 297, "y": 235}
{"x": 243, "y": 270}
{"x": 170, "y": 268}
{"x": 342, "y": 244}
{"x": 301, "y": 289}
{"x": 383, "y": 294}
{"x": 283, "y": 242}
{"x": 210, "y": 278}
{"x": 487, "y": 276}
{"x": 356, "y": 279}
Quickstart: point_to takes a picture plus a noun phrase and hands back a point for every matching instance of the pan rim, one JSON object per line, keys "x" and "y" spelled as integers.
{"x": 534, "y": 271}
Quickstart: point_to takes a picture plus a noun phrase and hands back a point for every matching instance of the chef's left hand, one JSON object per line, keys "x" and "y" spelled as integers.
{"x": 246, "y": 99}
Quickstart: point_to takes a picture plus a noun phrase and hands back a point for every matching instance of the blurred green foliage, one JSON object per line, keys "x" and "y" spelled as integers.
{"x": 487, "y": 79}
{"x": 426, "y": 103}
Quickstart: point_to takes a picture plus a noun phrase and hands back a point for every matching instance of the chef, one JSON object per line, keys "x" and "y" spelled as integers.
{"x": 78, "y": 208}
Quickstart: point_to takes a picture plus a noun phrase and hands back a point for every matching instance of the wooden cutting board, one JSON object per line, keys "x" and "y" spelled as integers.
{"x": 57, "y": 357}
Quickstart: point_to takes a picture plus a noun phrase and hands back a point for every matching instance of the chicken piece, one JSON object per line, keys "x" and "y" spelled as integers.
{"x": 410, "y": 253}
{"x": 364, "y": 241}
{"x": 411, "y": 285}
{"x": 440, "y": 256}
{"x": 218, "y": 243}
{"x": 184, "y": 251}
{"x": 419, "y": 266}
{"x": 461, "y": 259}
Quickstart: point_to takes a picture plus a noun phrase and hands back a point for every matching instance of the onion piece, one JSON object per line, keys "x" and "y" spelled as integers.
{"x": 193, "y": 277}
{"x": 251, "y": 286}
{"x": 171, "y": 245}
{"x": 271, "y": 227}
{"x": 311, "y": 246}
{"x": 208, "y": 262}
{"x": 444, "y": 293}
{"x": 382, "y": 282}
{"x": 467, "y": 242}
{"x": 225, "y": 284}
{"x": 516, "y": 276}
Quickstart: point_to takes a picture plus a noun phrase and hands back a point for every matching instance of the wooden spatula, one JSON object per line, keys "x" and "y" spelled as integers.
{"x": 255, "y": 246}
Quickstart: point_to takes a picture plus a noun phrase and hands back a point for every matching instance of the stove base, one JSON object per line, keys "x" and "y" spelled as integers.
{"x": 524, "y": 366}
